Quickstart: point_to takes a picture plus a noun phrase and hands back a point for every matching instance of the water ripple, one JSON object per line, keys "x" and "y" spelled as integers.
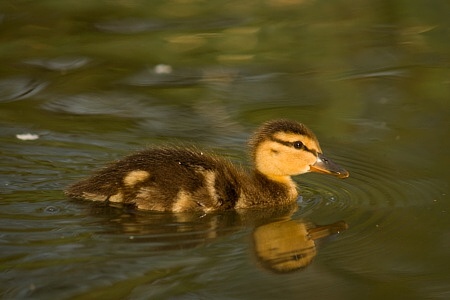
{"x": 17, "y": 88}
{"x": 61, "y": 63}
{"x": 372, "y": 184}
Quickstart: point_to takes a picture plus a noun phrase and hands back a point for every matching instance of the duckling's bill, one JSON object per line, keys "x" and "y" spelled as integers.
{"x": 326, "y": 166}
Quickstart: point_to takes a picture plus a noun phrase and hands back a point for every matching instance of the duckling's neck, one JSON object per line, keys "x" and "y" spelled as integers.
{"x": 265, "y": 190}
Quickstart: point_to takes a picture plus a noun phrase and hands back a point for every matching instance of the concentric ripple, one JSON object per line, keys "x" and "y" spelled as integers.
{"x": 388, "y": 212}
{"x": 369, "y": 194}
{"x": 373, "y": 184}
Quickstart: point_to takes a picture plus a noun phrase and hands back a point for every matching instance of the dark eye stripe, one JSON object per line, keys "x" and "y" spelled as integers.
{"x": 291, "y": 144}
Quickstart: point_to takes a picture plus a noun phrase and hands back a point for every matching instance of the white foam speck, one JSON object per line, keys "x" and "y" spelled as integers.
{"x": 27, "y": 136}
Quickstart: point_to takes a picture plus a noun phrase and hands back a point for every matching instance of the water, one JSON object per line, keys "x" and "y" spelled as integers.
{"x": 84, "y": 83}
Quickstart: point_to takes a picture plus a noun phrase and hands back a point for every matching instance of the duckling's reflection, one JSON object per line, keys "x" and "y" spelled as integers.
{"x": 280, "y": 244}
{"x": 290, "y": 245}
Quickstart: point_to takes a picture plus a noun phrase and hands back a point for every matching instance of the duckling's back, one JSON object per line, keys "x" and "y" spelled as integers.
{"x": 164, "y": 179}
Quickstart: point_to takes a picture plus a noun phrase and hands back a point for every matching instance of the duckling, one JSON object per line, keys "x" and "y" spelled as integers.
{"x": 178, "y": 180}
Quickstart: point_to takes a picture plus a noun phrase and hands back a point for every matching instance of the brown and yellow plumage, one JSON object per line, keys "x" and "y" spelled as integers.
{"x": 185, "y": 179}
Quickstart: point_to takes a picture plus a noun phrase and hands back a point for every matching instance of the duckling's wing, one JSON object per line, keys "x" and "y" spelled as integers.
{"x": 164, "y": 180}
{"x": 101, "y": 186}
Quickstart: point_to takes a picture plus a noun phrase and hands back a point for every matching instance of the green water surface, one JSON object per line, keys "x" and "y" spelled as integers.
{"x": 85, "y": 82}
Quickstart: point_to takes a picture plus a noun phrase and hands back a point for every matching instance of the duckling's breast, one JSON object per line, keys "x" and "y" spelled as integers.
{"x": 265, "y": 192}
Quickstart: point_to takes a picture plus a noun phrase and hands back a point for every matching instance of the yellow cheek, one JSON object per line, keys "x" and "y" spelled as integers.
{"x": 309, "y": 159}
{"x": 302, "y": 162}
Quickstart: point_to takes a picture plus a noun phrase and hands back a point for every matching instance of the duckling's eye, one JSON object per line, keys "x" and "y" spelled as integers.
{"x": 298, "y": 145}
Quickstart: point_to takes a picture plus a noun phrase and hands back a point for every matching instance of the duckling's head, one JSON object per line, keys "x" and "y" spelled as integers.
{"x": 283, "y": 148}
